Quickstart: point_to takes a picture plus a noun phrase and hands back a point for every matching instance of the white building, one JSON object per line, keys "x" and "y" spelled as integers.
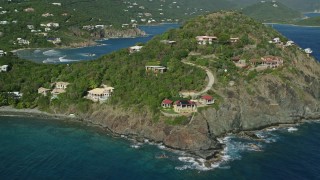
{"x": 100, "y": 94}
{"x": 2, "y": 53}
{"x": 134, "y": 49}
{"x": 203, "y": 40}
{"x": 4, "y": 68}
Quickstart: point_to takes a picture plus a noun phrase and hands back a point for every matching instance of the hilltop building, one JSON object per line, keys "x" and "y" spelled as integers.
{"x": 204, "y": 40}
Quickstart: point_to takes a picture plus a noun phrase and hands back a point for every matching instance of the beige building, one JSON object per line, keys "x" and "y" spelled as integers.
{"x": 134, "y": 49}
{"x": 43, "y": 91}
{"x": 60, "y": 87}
{"x": 185, "y": 106}
{"x": 204, "y": 40}
{"x": 156, "y": 69}
{"x": 100, "y": 94}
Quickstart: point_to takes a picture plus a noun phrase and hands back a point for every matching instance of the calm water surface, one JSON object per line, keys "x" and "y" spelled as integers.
{"x": 34, "y": 148}
{"x": 93, "y": 52}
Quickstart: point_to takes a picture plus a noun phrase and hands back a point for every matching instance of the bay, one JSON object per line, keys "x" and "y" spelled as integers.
{"x": 305, "y": 37}
{"x": 69, "y": 55}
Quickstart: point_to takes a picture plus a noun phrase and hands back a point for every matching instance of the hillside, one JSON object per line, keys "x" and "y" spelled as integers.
{"x": 271, "y": 12}
{"x": 299, "y": 5}
{"x": 314, "y": 21}
{"x": 79, "y": 23}
{"x": 257, "y": 83}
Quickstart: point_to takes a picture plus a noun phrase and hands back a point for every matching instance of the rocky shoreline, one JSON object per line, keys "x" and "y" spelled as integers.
{"x": 211, "y": 153}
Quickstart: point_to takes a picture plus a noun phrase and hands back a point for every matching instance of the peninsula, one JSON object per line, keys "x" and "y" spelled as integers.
{"x": 164, "y": 91}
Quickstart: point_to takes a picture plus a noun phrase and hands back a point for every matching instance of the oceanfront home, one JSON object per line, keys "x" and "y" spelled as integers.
{"x": 207, "y": 100}
{"x": 204, "y": 40}
{"x": 100, "y": 94}
{"x": 134, "y": 49}
{"x": 43, "y": 91}
{"x": 167, "y": 103}
{"x": 289, "y": 43}
{"x": 60, "y": 87}
{"x": 4, "y": 68}
{"x": 185, "y": 106}
{"x": 308, "y": 51}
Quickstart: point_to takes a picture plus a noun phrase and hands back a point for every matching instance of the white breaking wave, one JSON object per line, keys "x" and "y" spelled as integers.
{"x": 292, "y": 129}
{"x": 62, "y": 59}
{"x": 51, "y": 60}
{"x": 52, "y": 52}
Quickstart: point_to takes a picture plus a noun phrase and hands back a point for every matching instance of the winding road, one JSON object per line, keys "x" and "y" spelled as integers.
{"x": 209, "y": 74}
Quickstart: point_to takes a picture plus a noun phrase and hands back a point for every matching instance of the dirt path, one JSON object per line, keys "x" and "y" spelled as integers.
{"x": 209, "y": 74}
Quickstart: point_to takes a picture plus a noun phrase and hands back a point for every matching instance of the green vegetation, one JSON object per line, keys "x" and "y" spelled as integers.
{"x": 314, "y": 21}
{"x": 181, "y": 120}
{"x": 136, "y": 89}
{"x": 271, "y": 12}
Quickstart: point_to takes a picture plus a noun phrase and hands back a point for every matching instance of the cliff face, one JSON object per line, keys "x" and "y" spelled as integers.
{"x": 269, "y": 100}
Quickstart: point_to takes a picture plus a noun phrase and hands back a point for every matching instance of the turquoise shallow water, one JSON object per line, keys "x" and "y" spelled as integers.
{"x": 34, "y": 148}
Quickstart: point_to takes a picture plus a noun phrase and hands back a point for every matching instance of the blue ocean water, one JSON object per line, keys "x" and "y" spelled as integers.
{"x": 92, "y": 52}
{"x": 32, "y": 148}
{"x": 305, "y": 37}
{"x": 312, "y": 14}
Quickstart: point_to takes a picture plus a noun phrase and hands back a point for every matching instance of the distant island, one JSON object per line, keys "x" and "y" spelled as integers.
{"x": 271, "y": 12}
{"x": 313, "y": 21}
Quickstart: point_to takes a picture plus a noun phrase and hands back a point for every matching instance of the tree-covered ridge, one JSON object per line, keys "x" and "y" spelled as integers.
{"x": 134, "y": 88}
{"x": 313, "y": 21}
{"x": 269, "y": 11}
{"x": 299, "y": 5}
{"x": 78, "y": 19}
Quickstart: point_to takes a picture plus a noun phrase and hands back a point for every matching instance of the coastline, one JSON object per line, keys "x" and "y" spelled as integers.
{"x": 291, "y": 25}
{"x": 216, "y": 157}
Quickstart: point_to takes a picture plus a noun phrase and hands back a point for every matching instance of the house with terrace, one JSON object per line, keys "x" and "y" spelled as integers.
{"x": 185, "y": 106}
{"x": 134, "y": 49}
{"x": 100, "y": 94}
{"x": 60, "y": 87}
{"x": 155, "y": 67}
{"x": 43, "y": 91}
{"x": 204, "y": 40}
